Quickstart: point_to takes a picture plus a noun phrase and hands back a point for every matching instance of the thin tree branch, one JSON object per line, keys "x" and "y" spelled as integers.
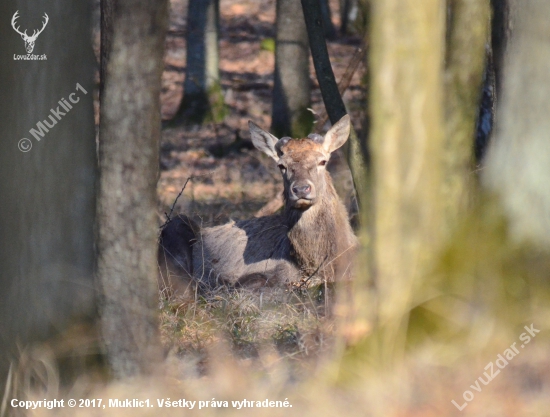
{"x": 329, "y": 90}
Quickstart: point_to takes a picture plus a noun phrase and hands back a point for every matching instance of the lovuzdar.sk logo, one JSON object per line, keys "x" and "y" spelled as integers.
{"x": 29, "y": 39}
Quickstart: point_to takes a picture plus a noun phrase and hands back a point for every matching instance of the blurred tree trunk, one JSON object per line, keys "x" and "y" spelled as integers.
{"x": 128, "y": 156}
{"x": 407, "y": 132}
{"x": 106, "y": 22}
{"x": 292, "y": 88}
{"x": 518, "y": 160}
{"x": 467, "y": 36}
{"x": 202, "y": 96}
{"x": 349, "y": 11}
{"x": 501, "y": 30}
{"x": 47, "y": 193}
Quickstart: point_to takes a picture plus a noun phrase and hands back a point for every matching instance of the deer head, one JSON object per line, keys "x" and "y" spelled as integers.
{"x": 302, "y": 161}
{"x": 29, "y": 40}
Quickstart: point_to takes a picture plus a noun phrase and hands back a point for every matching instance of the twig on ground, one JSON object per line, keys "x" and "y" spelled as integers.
{"x": 169, "y": 215}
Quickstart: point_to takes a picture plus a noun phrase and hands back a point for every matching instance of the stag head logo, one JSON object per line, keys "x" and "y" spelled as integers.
{"x": 29, "y": 40}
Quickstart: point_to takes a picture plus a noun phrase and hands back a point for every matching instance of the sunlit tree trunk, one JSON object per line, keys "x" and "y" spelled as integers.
{"x": 128, "y": 155}
{"x": 407, "y": 132}
{"x": 202, "y": 97}
{"x": 467, "y": 36}
{"x": 47, "y": 186}
{"x": 292, "y": 89}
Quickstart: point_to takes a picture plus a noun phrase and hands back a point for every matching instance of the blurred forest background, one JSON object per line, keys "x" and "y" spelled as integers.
{"x": 445, "y": 178}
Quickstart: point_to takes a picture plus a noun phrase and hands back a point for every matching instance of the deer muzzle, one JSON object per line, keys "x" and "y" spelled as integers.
{"x": 302, "y": 194}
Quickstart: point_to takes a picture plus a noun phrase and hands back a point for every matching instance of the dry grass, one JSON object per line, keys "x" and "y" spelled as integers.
{"x": 291, "y": 322}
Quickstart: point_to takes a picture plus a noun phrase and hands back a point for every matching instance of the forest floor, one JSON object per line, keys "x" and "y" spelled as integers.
{"x": 232, "y": 180}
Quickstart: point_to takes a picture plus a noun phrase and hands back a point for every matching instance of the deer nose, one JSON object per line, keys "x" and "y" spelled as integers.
{"x": 301, "y": 191}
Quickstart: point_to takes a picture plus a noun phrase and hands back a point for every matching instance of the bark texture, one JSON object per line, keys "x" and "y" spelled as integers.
{"x": 128, "y": 154}
{"x": 47, "y": 194}
{"x": 292, "y": 88}
{"x": 107, "y": 12}
{"x": 518, "y": 160}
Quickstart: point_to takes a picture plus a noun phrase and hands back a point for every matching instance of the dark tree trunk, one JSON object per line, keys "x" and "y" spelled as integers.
{"x": 349, "y": 10}
{"x": 501, "y": 30}
{"x": 328, "y": 26}
{"x": 202, "y": 97}
{"x": 107, "y": 12}
{"x": 47, "y": 193}
{"x": 355, "y": 153}
{"x": 128, "y": 156}
{"x": 292, "y": 89}
{"x": 503, "y": 12}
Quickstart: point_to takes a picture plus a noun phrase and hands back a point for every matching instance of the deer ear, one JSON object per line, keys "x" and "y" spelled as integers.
{"x": 263, "y": 141}
{"x": 337, "y": 135}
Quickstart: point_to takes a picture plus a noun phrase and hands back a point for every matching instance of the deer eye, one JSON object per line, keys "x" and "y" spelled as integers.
{"x": 322, "y": 163}
{"x": 282, "y": 168}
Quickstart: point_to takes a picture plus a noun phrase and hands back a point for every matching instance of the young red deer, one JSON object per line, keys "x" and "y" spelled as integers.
{"x": 311, "y": 240}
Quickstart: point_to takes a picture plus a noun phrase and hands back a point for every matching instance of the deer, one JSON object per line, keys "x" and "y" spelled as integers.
{"x": 310, "y": 241}
{"x": 29, "y": 40}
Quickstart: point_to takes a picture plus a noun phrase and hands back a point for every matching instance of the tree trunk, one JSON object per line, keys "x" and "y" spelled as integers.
{"x": 128, "y": 155}
{"x": 292, "y": 88}
{"x": 501, "y": 30}
{"x": 406, "y": 148}
{"x": 349, "y": 12}
{"x": 202, "y": 96}
{"x": 467, "y": 35}
{"x": 107, "y": 14}
{"x": 355, "y": 154}
{"x": 518, "y": 160}
{"x": 328, "y": 26}
{"x": 47, "y": 186}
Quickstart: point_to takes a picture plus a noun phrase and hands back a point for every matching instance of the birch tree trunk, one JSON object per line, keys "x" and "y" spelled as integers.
{"x": 128, "y": 155}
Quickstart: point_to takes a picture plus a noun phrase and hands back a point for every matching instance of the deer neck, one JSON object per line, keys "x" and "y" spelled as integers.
{"x": 321, "y": 233}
